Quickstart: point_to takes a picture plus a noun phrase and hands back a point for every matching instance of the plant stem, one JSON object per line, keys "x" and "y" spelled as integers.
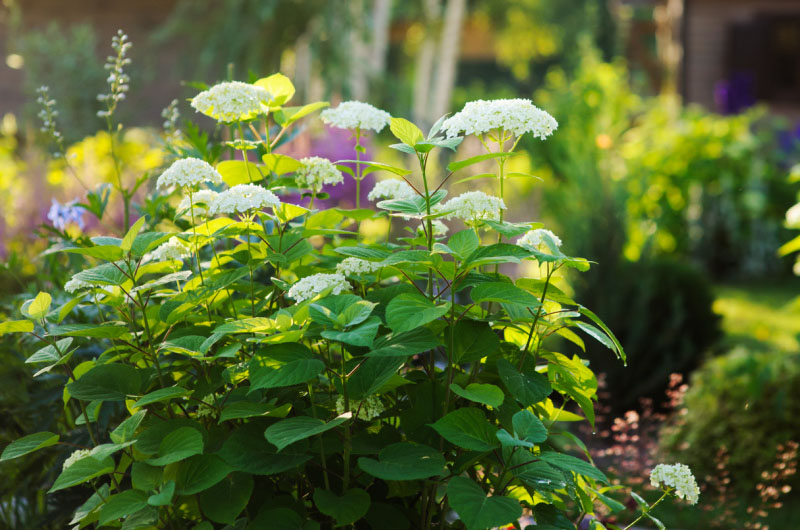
{"x": 648, "y": 510}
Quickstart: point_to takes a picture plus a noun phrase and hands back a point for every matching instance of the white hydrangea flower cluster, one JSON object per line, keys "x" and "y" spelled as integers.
{"x": 676, "y": 476}
{"x": 518, "y": 116}
{"x": 316, "y": 171}
{"x": 311, "y": 286}
{"x": 474, "y": 206}
{"x": 391, "y": 189}
{"x": 80, "y": 454}
{"x": 356, "y": 115}
{"x": 535, "y": 238}
{"x": 173, "y": 249}
{"x": 232, "y": 101}
{"x": 793, "y": 216}
{"x": 356, "y": 266}
{"x": 366, "y": 409}
{"x": 204, "y": 197}
{"x": 243, "y": 198}
{"x": 188, "y": 172}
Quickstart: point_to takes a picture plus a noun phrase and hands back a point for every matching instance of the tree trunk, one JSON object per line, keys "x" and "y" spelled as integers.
{"x": 425, "y": 61}
{"x": 449, "y": 48}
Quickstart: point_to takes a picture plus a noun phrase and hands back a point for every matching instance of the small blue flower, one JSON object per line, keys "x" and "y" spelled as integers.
{"x": 62, "y": 215}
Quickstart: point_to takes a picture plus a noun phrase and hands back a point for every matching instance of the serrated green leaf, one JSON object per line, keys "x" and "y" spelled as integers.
{"x": 178, "y": 445}
{"x": 291, "y": 430}
{"x": 527, "y": 388}
{"x": 405, "y": 131}
{"x": 223, "y": 502}
{"x": 81, "y": 471}
{"x": 410, "y": 311}
{"x": 122, "y": 505}
{"x": 109, "y": 382}
{"x": 39, "y": 307}
{"x": 28, "y": 444}
{"x": 478, "y": 511}
{"x": 480, "y": 393}
{"x": 467, "y": 428}
{"x": 16, "y": 326}
{"x": 127, "y": 241}
{"x": 347, "y": 509}
{"x": 162, "y": 394}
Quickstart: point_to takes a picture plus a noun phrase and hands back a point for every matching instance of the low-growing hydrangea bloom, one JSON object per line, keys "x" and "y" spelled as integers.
{"x": 173, "y": 249}
{"x": 232, "y": 101}
{"x": 80, "y": 454}
{"x": 439, "y": 228}
{"x": 62, "y": 215}
{"x": 535, "y": 238}
{"x": 518, "y": 116}
{"x": 355, "y": 266}
{"x": 202, "y": 197}
{"x": 474, "y": 206}
{"x": 356, "y": 115}
{"x": 243, "y": 198}
{"x": 369, "y": 408}
{"x": 793, "y": 216}
{"x": 316, "y": 171}
{"x": 311, "y": 286}
{"x": 188, "y": 172}
{"x": 391, "y": 189}
{"x": 678, "y": 477}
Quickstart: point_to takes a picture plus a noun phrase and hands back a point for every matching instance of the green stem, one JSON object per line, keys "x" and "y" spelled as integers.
{"x": 648, "y": 510}
{"x": 536, "y": 318}
{"x": 358, "y": 167}
{"x": 346, "y": 449}
{"x": 244, "y": 152}
{"x": 321, "y": 443}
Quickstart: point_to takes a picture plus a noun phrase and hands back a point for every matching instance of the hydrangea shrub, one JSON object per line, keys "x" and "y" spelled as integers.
{"x": 264, "y": 366}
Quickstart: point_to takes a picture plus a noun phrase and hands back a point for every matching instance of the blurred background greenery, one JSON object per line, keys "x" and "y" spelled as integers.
{"x": 671, "y": 169}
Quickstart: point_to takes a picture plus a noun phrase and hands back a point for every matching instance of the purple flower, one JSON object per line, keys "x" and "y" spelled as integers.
{"x": 62, "y": 215}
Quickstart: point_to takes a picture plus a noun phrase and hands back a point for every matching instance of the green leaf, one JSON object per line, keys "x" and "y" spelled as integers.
{"x": 223, "y": 502}
{"x": 526, "y": 388}
{"x": 122, "y": 505}
{"x": 144, "y": 243}
{"x": 245, "y": 450}
{"x": 39, "y": 307}
{"x": 283, "y": 365}
{"x": 480, "y": 393}
{"x": 280, "y": 164}
{"x": 105, "y": 274}
{"x": 162, "y": 394}
{"x": 618, "y": 349}
{"x": 510, "y": 230}
{"x": 467, "y": 428}
{"x": 377, "y": 166}
{"x": 639, "y": 500}
{"x": 368, "y": 253}
{"x": 657, "y": 522}
{"x": 288, "y": 115}
{"x": 199, "y": 473}
{"x": 106, "y": 330}
{"x": 363, "y": 335}
{"x": 16, "y": 326}
{"x": 528, "y": 427}
{"x": 570, "y": 463}
{"x": 106, "y": 252}
{"x": 281, "y": 89}
{"x": 476, "y": 510}
{"x": 109, "y": 382}
{"x": 372, "y": 375}
{"x": 410, "y": 311}
{"x": 503, "y": 292}
{"x": 463, "y": 243}
{"x": 127, "y": 241}
{"x": 347, "y": 509}
{"x": 461, "y": 164}
{"x": 239, "y": 172}
{"x": 81, "y": 471}
{"x": 28, "y": 444}
{"x": 247, "y": 409}
{"x": 405, "y": 131}
{"x": 535, "y": 473}
{"x": 404, "y": 344}
{"x": 404, "y": 461}
{"x": 473, "y": 341}
{"x": 163, "y": 497}
{"x": 178, "y": 445}
{"x": 291, "y": 430}
{"x": 125, "y": 430}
